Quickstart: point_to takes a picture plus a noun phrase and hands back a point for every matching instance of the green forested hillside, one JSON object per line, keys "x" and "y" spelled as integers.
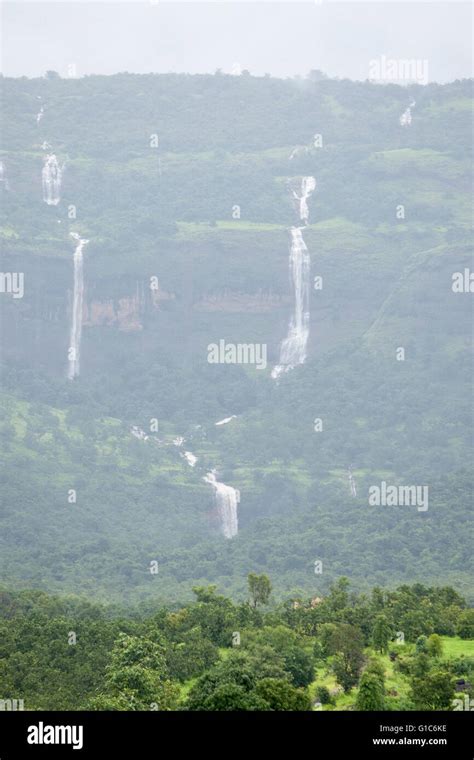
{"x": 411, "y": 648}
{"x": 154, "y": 169}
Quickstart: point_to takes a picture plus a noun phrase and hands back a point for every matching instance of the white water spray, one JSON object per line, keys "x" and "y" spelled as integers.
{"x": 190, "y": 458}
{"x": 51, "y": 176}
{"x": 226, "y": 420}
{"x": 308, "y": 184}
{"x": 3, "y": 176}
{"x": 293, "y": 347}
{"x": 406, "y": 117}
{"x": 352, "y": 483}
{"x": 227, "y": 499}
{"x": 139, "y": 433}
{"x": 76, "y": 323}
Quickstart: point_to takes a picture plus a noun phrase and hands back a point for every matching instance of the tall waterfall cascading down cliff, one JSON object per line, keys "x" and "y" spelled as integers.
{"x": 51, "y": 177}
{"x": 78, "y": 298}
{"x": 227, "y": 499}
{"x": 293, "y": 347}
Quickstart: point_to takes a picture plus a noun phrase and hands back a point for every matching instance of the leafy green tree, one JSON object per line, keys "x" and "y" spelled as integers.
{"x": 228, "y": 697}
{"x": 415, "y": 623}
{"x": 323, "y": 694}
{"x": 278, "y": 694}
{"x": 237, "y": 669}
{"x": 338, "y": 597}
{"x": 347, "y": 642}
{"x": 259, "y": 588}
{"x": 434, "y": 645}
{"x": 325, "y": 635}
{"x": 433, "y": 691}
{"x": 381, "y": 634}
{"x": 137, "y": 678}
{"x": 287, "y": 646}
{"x": 465, "y": 627}
{"x": 371, "y": 694}
{"x": 299, "y": 664}
{"x": 421, "y": 644}
{"x": 214, "y": 614}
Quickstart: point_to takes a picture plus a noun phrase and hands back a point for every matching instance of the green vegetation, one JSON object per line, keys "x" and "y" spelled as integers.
{"x": 212, "y": 654}
{"x": 207, "y": 212}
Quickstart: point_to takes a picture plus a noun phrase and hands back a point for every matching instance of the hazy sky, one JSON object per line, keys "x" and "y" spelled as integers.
{"x": 283, "y": 39}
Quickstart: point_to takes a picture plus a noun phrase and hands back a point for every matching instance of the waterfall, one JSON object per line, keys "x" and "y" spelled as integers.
{"x": 3, "y": 176}
{"x": 51, "y": 175}
{"x": 406, "y": 117}
{"x": 190, "y": 458}
{"x": 226, "y": 420}
{"x": 39, "y": 115}
{"x": 352, "y": 483}
{"x": 227, "y": 499}
{"x": 76, "y": 323}
{"x": 137, "y": 432}
{"x": 293, "y": 347}
{"x": 308, "y": 184}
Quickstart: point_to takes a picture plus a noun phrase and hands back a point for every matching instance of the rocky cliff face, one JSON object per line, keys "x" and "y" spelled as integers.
{"x": 125, "y": 313}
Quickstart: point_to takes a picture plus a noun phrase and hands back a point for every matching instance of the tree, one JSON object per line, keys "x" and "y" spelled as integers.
{"x": 214, "y": 614}
{"x": 347, "y": 643}
{"x": 229, "y": 697}
{"x": 433, "y": 691}
{"x": 299, "y": 664}
{"x": 259, "y": 588}
{"x": 237, "y": 669}
{"x": 136, "y": 678}
{"x": 416, "y": 623}
{"x": 323, "y": 694}
{"x": 371, "y": 695}
{"x": 280, "y": 695}
{"x": 421, "y": 644}
{"x": 434, "y": 645}
{"x": 465, "y": 627}
{"x": 191, "y": 656}
{"x": 381, "y": 634}
{"x": 338, "y": 597}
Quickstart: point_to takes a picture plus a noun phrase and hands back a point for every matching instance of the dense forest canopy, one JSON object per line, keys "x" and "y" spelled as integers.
{"x": 188, "y": 179}
{"x": 409, "y": 648}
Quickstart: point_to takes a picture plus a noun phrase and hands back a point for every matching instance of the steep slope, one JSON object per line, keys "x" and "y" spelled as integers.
{"x": 184, "y": 193}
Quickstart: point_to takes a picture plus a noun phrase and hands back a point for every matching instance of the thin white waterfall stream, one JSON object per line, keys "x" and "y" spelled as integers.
{"x": 352, "y": 483}
{"x": 3, "y": 176}
{"x": 78, "y": 297}
{"x": 226, "y": 420}
{"x": 308, "y": 184}
{"x": 51, "y": 178}
{"x": 227, "y": 499}
{"x": 406, "y": 117}
{"x": 293, "y": 347}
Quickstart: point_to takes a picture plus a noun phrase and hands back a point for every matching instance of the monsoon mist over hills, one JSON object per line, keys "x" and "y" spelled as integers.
{"x": 236, "y": 348}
